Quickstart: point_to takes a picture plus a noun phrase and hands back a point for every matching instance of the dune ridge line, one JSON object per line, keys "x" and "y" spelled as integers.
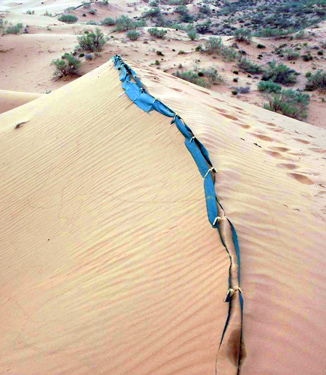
{"x": 215, "y": 211}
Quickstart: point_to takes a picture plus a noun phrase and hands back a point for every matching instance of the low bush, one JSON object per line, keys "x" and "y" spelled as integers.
{"x": 14, "y": 29}
{"x": 291, "y": 54}
{"x": 280, "y": 73}
{"x": 192, "y": 77}
{"x": 91, "y": 22}
{"x": 124, "y": 23}
{"x": 269, "y": 87}
{"x": 244, "y": 90}
{"x": 316, "y": 81}
{"x": 108, "y": 21}
{"x": 93, "y": 11}
{"x": 91, "y": 41}
{"x": 229, "y": 53}
{"x": 261, "y": 46}
{"x": 31, "y": 12}
{"x": 290, "y": 103}
{"x": 212, "y": 76}
{"x": 307, "y": 57}
{"x": 133, "y": 34}
{"x": 192, "y": 34}
{"x": 249, "y": 67}
{"x": 157, "y": 33}
{"x": 66, "y": 65}
{"x": 68, "y": 18}
{"x": 213, "y": 45}
{"x": 242, "y": 35}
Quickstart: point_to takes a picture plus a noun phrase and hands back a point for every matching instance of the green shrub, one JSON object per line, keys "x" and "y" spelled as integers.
{"x": 155, "y": 12}
{"x": 48, "y": 14}
{"x": 133, "y": 34}
{"x": 157, "y": 33}
{"x": 320, "y": 53}
{"x": 108, "y": 21}
{"x": 192, "y": 34}
{"x": 229, "y": 53}
{"x": 93, "y": 11}
{"x": 234, "y": 92}
{"x": 31, "y": 12}
{"x": 316, "y": 81}
{"x": 192, "y": 77}
{"x": 14, "y": 29}
{"x": 291, "y": 54}
{"x": 269, "y": 32}
{"x": 68, "y": 18}
{"x": 289, "y": 103}
{"x": 213, "y": 45}
{"x": 91, "y": 22}
{"x": 280, "y": 73}
{"x": 242, "y": 35}
{"x": 66, "y": 65}
{"x": 269, "y": 86}
{"x": 212, "y": 76}
{"x": 203, "y": 28}
{"x": 261, "y": 46}
{"x": 323, "y": 44}
{"x": 124, "y": 23}
{"x": 307, "y": 57}
{"x": 91, "y": 41}
{"x": 249, "y": 67}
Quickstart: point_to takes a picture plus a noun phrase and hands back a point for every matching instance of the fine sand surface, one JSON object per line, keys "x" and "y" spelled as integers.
{"x": 109, "y": 264}
{"x": 12, "y": 99}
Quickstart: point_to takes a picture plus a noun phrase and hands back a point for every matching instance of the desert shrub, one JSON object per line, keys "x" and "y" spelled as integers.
{"x": 242, "y": 35}
{"x": 234, "y": 92}
{"x": 91, "y": 22}
{"x": 212, "y": 76}
{"x": 91, "y": 41}
{"x": 291, "y": 54}
{"x": 290, "y": 103}
{"x": 316, "y": 81}
{"x": 108, "y": 21}
{"x": 48, "y": 14}
{"x": 86, "y": 4}
{"x": 14, "y": 29}
{"x": 261, "y": 46}
{"x": 185, "y": 16}
{"x": 124, "y": 23}
{"x": 66, "y": 65}
{"x": 93, "y": 11}
{"x": 31, "y": 12}
{"x": 244, "y": 90}
{"x": 154, "y": 12}
{"x": 192, "y": 77}
{"x": 249, "y": 67}
{"x": 203, "y": 28}
{"x": 192, "y": 34}
{"x": 280, "y": 73}
{"x": 213, "y": 45}
{"x": 307, "y": 57}
{"x": 228, "y": 53}
{"x": 133, "y": 34}
{"x": 320, "y": 53}
{"x": 269, "y": 32}
{"x": 300, "y": 35}
{"x": 269, "y": 86}
{"x": 323, "y": 44}
{"x": 157, "y": 33}
{"x": 68, "y": 18}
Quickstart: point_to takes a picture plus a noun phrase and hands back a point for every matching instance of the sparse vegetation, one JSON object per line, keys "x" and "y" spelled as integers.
{"x": 316, "y": 81}
{"x": 124, "y": 23}
{"x": 68, "y": 18}
{"x": 204, "y": 77}
{"x": 14, "y": 29}
{"x": 269, "y": 87}
{"x": 92, "y": 41}
{"x": 66, "y": 65}
{"x": 291, "y": 54}
{"x": 249, "y": 67}
{"x": 157, "y": 33}
{"x": 108, "y": 21}
{"x": 133, "y": 34}
{"x": 192, "y": 34}
{"x": 242, "y": 35}
{"x": 280, "y": 73}
{"x": 214, "y": 45}
{"x": 289, "y": 102}
{"x": 31, "y": 12}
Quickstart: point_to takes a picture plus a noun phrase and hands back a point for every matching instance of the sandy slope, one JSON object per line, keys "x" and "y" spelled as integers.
{"x": 109, "y": 263}
{"x": 12, "y": 99}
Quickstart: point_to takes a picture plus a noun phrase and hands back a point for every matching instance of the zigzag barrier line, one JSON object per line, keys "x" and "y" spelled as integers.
{"x": 139, "y": 95}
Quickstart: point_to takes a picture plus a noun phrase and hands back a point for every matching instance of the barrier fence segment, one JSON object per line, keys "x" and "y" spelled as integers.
{"x": 136, "y": 91}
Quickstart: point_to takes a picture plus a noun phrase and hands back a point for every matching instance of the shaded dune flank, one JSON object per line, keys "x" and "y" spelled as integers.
{"x": 12, "y": 99}
{"x": 110, "y": 265}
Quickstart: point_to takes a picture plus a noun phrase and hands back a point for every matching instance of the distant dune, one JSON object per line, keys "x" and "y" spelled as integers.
{"x": 12, "y": 99}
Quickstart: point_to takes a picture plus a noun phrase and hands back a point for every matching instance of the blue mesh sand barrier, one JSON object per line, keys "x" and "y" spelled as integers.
{"x": 136, "y": 91}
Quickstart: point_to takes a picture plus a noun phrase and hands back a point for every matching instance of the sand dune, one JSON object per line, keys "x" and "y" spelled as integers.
{"x": 12, "y": 99}
{"x": 109, "y": 263}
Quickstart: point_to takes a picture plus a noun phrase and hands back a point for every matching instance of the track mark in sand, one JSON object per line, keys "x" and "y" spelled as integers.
{"x": 280, "y": 149}
{"x": 301, "y": 178}
{"x": 175, "y": 89}
{"x": 230, "y": 117}
{"x": 287, "y": 166}
{"x": 219, "y": 100}
{"x": 318, "y": 150}
{"x": 275, "y": 154}
{"x": 244, "y": 126}
{"x": 217, "y": 109}
{"x": 238, "y": 108}
{"x": 263, "y": 137}
{"x": 301, "y": 141}
{"x": 277, "y": 130}
{"x": 204, "y": 92}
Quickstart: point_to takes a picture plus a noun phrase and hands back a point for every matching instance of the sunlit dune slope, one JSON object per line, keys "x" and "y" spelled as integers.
{"x": 109, "y": 264}
{"x": 12, "y": 99}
